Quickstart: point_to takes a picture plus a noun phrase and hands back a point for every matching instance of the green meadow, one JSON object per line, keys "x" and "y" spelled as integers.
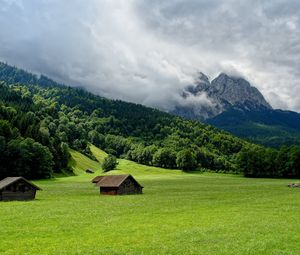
{"x": 179, "y": 213}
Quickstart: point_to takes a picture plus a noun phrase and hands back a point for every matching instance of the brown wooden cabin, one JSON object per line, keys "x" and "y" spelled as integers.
{"x": 17, "y": 188}
{"x": 118, "y": 185}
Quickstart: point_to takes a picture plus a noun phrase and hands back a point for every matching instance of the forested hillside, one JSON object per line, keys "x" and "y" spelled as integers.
{"x": 269, "y": 127}
{"x": 40, "y": 120}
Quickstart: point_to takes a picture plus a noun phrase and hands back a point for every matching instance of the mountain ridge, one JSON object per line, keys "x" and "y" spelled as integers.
{"x": 236, "y": 106}
{"x": 223, "y": 92}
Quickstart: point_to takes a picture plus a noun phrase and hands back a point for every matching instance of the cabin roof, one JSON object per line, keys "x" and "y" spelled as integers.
{"x": 97, "y": 179}
{"x": 114, "y": 180}
{"x": 10, "y": 180}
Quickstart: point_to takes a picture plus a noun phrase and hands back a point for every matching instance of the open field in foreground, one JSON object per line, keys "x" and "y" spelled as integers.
{"x": 178, "y": 213}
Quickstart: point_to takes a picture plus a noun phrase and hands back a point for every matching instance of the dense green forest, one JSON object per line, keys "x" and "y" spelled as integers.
{"x": 273, "y": 128}
{"x": 41, "y": 119}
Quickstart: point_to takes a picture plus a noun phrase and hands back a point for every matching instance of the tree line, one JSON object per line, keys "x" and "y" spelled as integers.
{"x": 268, "y": 162}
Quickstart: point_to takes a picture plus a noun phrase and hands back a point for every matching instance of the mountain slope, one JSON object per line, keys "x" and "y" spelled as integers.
{"x": 78, "y": 163}
{"x": 236, "y": 91}
{"x": 41, "y": 122}
{"x": 269, "y": 127}
{"x": 241, "y": 109}
{"x": 219, "y": 96}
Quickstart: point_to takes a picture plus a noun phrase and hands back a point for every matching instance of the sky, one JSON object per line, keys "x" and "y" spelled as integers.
{"x": 147, "y": 51}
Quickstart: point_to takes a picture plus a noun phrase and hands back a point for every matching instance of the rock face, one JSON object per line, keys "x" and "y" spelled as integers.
{"x": 237, "y": 91}
{"x": 206, "y": 99}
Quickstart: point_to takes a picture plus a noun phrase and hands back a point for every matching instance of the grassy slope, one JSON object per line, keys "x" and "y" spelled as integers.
{"x": 134, "y": 168}
{"x": 177, "y": 214}
{"x": 80, "y": 163}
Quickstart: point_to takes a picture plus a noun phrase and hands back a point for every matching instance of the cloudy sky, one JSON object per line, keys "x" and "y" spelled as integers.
{"x": 147, "y": 51}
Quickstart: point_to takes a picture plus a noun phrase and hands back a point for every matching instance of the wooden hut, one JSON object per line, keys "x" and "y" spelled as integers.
{"x": 118, "y": 185}
{"x": 17, "y": 188}
{"x": 89, "y": 171}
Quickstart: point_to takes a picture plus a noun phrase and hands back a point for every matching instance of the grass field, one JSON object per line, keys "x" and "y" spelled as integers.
{"x": 178, "y": 213}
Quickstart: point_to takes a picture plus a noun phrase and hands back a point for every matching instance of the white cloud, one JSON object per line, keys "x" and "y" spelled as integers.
{"x": 147, "y": 51}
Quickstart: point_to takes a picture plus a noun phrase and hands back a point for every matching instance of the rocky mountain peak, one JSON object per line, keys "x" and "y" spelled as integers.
{"x": 223, "y": 93}
{"x": 202, "y": 78}
{"x": 237, "y": 91}
{"x": 202, "y": 83}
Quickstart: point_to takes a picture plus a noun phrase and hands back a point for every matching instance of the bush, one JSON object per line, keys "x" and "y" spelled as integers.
{"x": 27, "y": 158}
{"x": 109, "y": 163}
{"x": 186, "y": 160}
{"x": 165, "y": 158}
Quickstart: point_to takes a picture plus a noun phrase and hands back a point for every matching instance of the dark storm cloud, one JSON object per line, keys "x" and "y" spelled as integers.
{"x": 147, "y": 51}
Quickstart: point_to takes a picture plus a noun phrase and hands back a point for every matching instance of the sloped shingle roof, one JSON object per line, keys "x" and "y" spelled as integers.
{"x": 10, "y": 180}
{"x": 97, "y": 179}
{"x": 114, "y": 180}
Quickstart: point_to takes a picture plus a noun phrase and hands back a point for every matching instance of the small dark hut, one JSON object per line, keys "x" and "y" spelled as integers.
{"x": 118, "y": 185}
{"x": 89, "y": 171}
{"x": 17, "y": 188}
